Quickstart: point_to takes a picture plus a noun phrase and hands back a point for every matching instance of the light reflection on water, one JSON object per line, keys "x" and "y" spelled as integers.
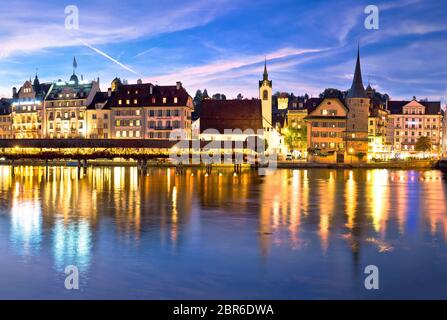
{"x": 295, "y": 234}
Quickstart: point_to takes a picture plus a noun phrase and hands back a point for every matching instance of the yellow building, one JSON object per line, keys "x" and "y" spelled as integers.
{"x": 28, "y": 108}
{"x": 99, "y": 117}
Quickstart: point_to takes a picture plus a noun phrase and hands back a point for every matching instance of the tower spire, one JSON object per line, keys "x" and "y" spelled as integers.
{"x": 75, "y": 65}
{"x": 266, "y": 75}
{"x": 357, "y": 89}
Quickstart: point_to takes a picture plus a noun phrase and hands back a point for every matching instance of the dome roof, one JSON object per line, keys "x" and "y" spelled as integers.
{"x": 74, "y": 78}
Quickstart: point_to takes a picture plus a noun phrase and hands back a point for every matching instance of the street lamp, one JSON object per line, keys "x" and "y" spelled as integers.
{"x": 351, "y": 152}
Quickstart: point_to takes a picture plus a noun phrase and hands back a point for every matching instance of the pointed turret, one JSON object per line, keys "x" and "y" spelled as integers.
{"x": 357, "y": 89}
{"x": 266, "y": 74}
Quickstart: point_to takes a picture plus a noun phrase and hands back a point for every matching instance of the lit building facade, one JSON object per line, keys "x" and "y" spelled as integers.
{"x": 65, "y": 108}
{"x": 411, "y": 120}
{"x": 326, "y": 125}
{"x": 98, "y": 116}
{"x": 149, "y": 111}
{"x": 27, "y": 110}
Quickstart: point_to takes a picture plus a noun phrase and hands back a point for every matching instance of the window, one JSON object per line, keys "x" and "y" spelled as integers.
{"x": 265, "y": 95}
{"x": 176, "y": 113}
{"x": 127, "y": 101}
{"x": 135, "y": 101}
{"x": 94, "y": 116}
{"x": 137, "y": 134}
{"x": 168, "y": 113}
{"x": 324, "y": 112}
{"x": 120, "y": 101}
{"x": 118, "y": 134}
{"x": 175, "y": 100}
{"x": 164, "y": 99}
{"x": 160, "y": 113}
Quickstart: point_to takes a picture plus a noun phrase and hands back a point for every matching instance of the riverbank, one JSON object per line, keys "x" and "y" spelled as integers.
{"x": 403, "y": 165}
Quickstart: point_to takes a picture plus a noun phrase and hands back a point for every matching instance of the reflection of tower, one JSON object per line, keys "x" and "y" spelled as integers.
{"x": 265, "y": 94}
{"x": 357, "y": 124}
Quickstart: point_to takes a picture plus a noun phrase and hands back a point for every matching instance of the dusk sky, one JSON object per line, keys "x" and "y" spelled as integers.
{"x": 220, "y": 45}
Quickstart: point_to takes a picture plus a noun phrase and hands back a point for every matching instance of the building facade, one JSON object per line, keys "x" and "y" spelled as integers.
{"x": 5, "y": 119}
{"x": 147, "y": 111}
{"x": 27, "y": 110}
{"x": 326, "y": 126}
{"x": 65, "y": 108}
{"x": 411, "y": 120}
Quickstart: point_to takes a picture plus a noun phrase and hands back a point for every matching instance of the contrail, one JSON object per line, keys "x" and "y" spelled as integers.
{"x": 109, "y": 57}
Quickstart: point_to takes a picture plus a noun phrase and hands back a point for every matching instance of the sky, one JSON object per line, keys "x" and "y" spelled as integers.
{"x": 221, "y": 45}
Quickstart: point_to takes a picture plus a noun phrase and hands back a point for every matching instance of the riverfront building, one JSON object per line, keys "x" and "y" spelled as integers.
{"x": 411, "y": 120}
{"x": 27, "y": 112}
{"x": 147, "y": 111}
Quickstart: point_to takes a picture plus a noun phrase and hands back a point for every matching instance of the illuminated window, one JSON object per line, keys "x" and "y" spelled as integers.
{"x": 135, "y": 101}
{"x": 137, "y": 134}
{"x": 164, "y": 100}
{"x": 124, "y": 134}
{"x": 127, "y": 101}
{"x": 175, "y": 100}
{"x": 130, "y": 134}
{"x": 118, "y": 134}
{"x": 137, "y": 112}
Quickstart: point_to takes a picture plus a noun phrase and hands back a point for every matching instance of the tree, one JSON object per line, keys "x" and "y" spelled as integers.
{"x": 423, "y": 144}
{"x": 332, "y": 93}
{"x": 205, "y": 94}
{"x": 197, "y": 104}
{"x": 240, "y": 96}
{"x": 296, "y": 138}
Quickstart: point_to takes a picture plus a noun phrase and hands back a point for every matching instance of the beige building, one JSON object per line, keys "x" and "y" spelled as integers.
{"x": 98, "y": 117}
{"x": 410, "y": 120}
{"x": 65, "y": 108}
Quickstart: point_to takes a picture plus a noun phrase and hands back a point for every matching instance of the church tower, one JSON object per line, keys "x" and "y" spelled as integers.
{"x": 265, "y": 94}
{"x": 358, "y": 104}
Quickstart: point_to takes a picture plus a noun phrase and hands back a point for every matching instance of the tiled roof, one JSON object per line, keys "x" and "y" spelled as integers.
{"x": 144, "y": 98}
{"x": 82, "y": 90}
{"x": 231, "y": 114}
{"x": 100, "y": 97}
{"x": 312, "y": 103}
{"x": 5, "y": 106}
{"x": 431, "y": 107}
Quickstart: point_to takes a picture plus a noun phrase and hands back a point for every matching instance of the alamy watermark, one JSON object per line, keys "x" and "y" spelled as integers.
{"x": 72, "y": 17}
{"x": 372, "y": 279}
{"x": 72, "y": 278}
{"x": 234, "y": 146}
{"x": 372, "y": 20}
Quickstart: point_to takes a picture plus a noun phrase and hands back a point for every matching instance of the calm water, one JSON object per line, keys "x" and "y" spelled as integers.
{"x": 292, "y": 235}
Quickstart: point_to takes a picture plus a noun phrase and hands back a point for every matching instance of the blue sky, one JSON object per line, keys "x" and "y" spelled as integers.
{"x": 220, "y": 44}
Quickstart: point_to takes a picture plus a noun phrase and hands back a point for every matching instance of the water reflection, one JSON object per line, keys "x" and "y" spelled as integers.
{"x": 292, "y": 211}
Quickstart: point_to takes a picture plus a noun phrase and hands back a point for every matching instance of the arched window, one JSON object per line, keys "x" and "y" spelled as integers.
{"x": 265, "y": 95}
